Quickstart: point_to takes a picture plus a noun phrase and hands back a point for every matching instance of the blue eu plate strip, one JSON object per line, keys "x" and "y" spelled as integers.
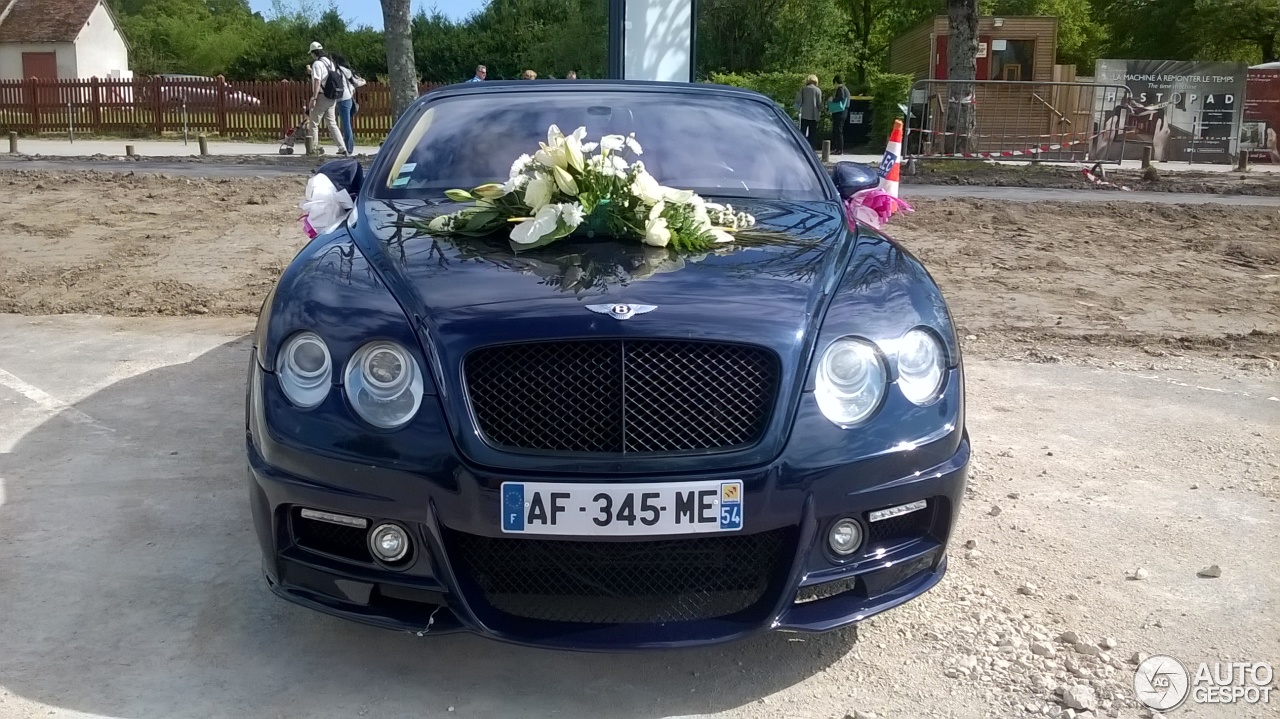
{"x": 513, "y": 507}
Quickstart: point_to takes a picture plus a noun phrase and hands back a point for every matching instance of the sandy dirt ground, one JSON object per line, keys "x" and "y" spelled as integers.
{"x": 1161, "y": 179}
{"x": 1019, "y": 277}
{"x": 1123, "y": 369}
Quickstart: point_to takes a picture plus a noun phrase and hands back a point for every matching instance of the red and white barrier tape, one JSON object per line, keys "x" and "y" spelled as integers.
{"x": 943, "y": 133}
{"x": 1100, "y": 181}
{"x": 1030, "y": 151}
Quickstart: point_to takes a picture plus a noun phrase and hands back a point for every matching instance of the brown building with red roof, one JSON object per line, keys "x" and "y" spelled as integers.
{"x": 60, "y": 40}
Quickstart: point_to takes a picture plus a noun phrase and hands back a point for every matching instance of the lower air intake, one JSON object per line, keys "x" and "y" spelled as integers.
{"x": 669, "y": 580}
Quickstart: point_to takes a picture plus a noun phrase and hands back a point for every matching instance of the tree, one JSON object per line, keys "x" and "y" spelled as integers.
{"x": 1241, "y": 30}
{"x": 873, "y": 24}
{"x": 397, "y": 29}
{"x": 1145, "y": 29}
{"x": 962, "y": 70}
{"x": 1238, "y": 29}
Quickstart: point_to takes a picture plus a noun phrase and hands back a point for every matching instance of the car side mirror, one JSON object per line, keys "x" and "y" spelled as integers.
{"x": 851, "y": 177}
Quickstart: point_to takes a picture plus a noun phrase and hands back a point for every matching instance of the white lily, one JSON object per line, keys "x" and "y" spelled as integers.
{"x": 679, "y": 196}
{"x": 490, "y": 191}
{"x": 539, "y": 191}
{"x": 537, "y": 227}
{"x": 645, "y": 187}
{"x": 612, "y": 143}
{"x": 441, "y": 223}
{"x": 633, "y": 145}
{"x": 720, "y": 235}
{"x": 573, "y": 152}
{"x": 565, "y": 181}
{"x": 551, "y": 156}
{"x": 572, "y": 214}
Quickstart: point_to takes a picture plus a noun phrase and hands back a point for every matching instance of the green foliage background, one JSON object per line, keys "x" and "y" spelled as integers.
{"x": 770, "y": 41}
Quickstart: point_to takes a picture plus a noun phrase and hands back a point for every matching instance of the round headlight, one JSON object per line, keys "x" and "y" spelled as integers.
{"x": 304, "y": 369}
{"x": 921, "y": 366}
{"x": 850, "y": 382}
{"x": 384, "y": 384}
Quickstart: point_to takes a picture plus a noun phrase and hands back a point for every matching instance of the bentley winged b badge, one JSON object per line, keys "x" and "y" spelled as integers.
{"x": 622, "y": 312}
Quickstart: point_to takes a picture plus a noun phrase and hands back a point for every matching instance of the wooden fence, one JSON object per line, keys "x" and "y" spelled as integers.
{"x": 155, "y": 106}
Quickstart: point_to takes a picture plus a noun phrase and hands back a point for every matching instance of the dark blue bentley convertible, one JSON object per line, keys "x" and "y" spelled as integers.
{"x": 602, "y": 443}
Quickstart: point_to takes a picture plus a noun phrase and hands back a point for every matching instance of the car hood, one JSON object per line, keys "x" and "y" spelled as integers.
{"x": 769, "y": 290}
{"x": 783, "y": 266}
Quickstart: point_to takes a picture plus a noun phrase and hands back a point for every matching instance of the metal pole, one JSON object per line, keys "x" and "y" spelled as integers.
{"x": 13, "y": 142}
{"x": 1242, "y": 158}
{"x": 204, "y": 144}
{"x": 128, "y": 151}
{"x": 1196, "y": 128}
{"x": 617, "y": 38}
{"x": 826, "y": 151}
{"x": 1146, "y": 156}
{"x": 693, "y": 40}
{"x": 71, "y": 124}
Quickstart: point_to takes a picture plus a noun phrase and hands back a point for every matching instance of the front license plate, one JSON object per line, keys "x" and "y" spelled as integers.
{"x": 588, "y": 510}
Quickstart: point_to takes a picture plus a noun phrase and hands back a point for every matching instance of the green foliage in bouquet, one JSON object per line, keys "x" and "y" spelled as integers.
{"x": 589, "y": 188}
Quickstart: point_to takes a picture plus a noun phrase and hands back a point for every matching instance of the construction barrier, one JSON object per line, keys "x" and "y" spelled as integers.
{"x": 1067, "y": 122}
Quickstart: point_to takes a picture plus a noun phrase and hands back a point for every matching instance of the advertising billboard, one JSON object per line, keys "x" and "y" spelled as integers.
{"x": 1261, "y": 116}
{"x": 658, "y": 40}
{"x": 1186, "y": 111}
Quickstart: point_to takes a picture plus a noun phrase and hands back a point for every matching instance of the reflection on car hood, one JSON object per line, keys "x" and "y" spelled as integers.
{"x": 783, "y": 264}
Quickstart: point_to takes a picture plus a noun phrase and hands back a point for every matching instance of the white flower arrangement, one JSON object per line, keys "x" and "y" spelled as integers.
{"x": 571, "y": 186}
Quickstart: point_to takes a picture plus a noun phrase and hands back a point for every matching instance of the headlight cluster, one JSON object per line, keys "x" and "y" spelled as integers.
{"x": 852, "y": 376}
{"x": 383, "y": 382}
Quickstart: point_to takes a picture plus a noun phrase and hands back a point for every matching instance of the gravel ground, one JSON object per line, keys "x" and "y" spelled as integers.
{"x": 1158, "y": 179}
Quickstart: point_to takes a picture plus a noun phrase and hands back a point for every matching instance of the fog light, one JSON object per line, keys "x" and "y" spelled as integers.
{"x": 389, "y": 542}
{"x": 845, "y": 537}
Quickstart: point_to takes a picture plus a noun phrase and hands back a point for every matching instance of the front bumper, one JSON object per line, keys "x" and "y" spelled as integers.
{"x": 434, "y": 591}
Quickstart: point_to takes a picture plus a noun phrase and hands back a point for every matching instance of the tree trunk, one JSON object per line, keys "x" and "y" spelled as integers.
{"x": 397, "y": 30}
{"x": 1268, "y": 45}
{"x": 962, "y": 66}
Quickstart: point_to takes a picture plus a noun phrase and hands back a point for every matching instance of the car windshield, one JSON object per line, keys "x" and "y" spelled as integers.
{"x": 712, "y": 144}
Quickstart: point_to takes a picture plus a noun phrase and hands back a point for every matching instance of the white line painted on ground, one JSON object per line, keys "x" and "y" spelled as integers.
{"x": 48, "y": 402}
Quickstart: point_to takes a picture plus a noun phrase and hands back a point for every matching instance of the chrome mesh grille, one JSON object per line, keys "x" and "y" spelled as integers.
{"x": 622, "y": 396}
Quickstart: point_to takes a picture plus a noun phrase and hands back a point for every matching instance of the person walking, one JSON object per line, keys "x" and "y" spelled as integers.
{"x": 838, "y": 106}
{"x": 347, "y": 105}
{"x": 326, "y": 90}
{"x": 809, "y": 104}
{"x": 481, "y": 73}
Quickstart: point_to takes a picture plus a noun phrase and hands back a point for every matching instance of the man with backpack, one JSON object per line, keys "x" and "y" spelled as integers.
{"x": 327, "y": 86}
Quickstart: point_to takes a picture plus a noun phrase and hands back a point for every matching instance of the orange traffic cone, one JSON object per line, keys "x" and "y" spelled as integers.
{"x": 890, "y": 166}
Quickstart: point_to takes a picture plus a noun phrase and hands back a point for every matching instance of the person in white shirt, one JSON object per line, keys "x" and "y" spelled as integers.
{"x": 321, "y": 106}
